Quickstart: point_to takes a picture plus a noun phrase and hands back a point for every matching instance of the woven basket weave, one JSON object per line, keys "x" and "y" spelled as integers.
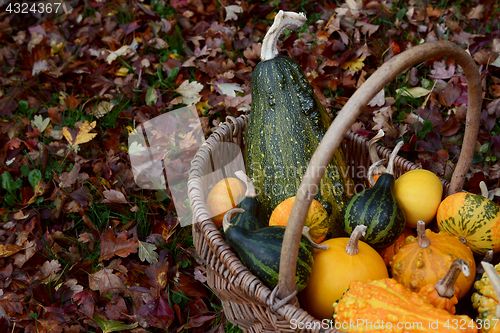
{"x": 246, "y": 301}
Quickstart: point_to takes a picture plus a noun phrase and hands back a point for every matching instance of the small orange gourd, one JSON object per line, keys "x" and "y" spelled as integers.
{"x": 225, "y": 195}
{"x": 317, "y": 218}
{"x": 388, "y": 253}
{"x": 345, "y": 260}
{"x": 443, "y": 294}
{"x": 387, "y": 306}
{"x": 424, "y": 260}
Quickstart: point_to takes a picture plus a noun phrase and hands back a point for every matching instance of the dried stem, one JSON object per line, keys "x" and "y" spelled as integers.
{"x": 488, "y": 257}
{"x": 372, "y": 169}
{"x": 392, "y": 158}
{"x": 352, "y": 247}
{"x": 227, "y": 217}
{"x": 423, "y": 240}
{"x": 305, "y": 232}
{"x": 372, "y": 151}
{"x": 484, "y": 189}
{"x": 248, "y": 182}
{"x": 282, "y": 21}
{"x": 445, "y": 287}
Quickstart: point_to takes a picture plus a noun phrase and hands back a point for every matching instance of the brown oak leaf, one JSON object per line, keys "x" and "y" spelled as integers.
{"x": 105, "y": 281}
{"x": 120, "y": 246}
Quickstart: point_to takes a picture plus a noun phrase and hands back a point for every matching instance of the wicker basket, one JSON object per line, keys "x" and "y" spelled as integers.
{"x": 246, "y": 301}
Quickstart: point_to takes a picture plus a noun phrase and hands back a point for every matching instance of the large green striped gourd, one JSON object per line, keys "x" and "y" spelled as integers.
{"x": 260, "y": 251}
{"x": 287, "y": 122}
{"x": 376, "y": 207}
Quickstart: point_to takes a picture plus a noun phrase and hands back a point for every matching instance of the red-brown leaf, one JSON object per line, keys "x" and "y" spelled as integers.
{"x": 158, "y": 313}
{"x": 120, "y": 246}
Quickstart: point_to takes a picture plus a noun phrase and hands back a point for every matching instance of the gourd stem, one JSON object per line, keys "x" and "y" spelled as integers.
{"x": 484, "y": 189}
{"x": 305, "y": 232}
{"x": 445, "y": 287}
{"x": 423, "y": 240}
{"x": 248, "y": 182}
{"x": 371, "y": 169}
{"x": 226, "y": 221}
{"x": 372, "y": 151}
{"x": 392, "y": 157}
{"x": 282, "y": 21}
{"x": 495, "y": 281}
{"x": 352, "y": 247}
{"x": 488, "y": 257}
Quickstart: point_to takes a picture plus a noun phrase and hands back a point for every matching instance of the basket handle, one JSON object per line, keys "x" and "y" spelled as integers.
{"x": 349, "y": 113}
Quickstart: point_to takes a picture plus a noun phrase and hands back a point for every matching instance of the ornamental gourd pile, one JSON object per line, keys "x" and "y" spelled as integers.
{"x": 363, "y": 256}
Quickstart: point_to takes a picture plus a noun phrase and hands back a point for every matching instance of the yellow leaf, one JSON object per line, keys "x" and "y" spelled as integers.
{"x": 202, "y": 107}
{"x": 55, "y": 48}
{"x": 355, "y": 65}
{"x": 83, "y": 135}
{"x": 175, "y": 56}
{"x": 8, "y": 250}
{"x": 415, "y": 92}
{"x": 271, "y": 15}
{"x": 122, "y": 71}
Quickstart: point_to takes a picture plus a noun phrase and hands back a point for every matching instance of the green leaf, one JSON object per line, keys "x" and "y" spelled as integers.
{"x": 173, "y": 73}
{"x": 401, "y": 13}
{"x": 40, "y": 123}
{"x": 147, "y": 252}
{"x": 34, "y": 177}
{"x": 484, "y": 147}
{"x": 23, "y": 105}
{"x": 177, "y": 298}
{"x": 112, "y": 325}
{"x": 24, "y": 170}
{"x": 8, "y": 182}
{"x": 427, "y": 84}
{"x": 151, "y": 95}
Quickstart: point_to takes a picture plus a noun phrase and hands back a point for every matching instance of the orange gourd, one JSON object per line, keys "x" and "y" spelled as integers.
{"x": 388, "y": 253}
{"x": 424, "y": 260}
{"x": 345, "y": 260}
{"x": 317, "y": 218}
{"x": 472, "y": 217}
{"x": 387, "y": 306}
{"x": 443, "y": 294}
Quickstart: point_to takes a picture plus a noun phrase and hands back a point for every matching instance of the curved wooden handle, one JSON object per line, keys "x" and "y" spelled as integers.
{"x": 349, "y": 113}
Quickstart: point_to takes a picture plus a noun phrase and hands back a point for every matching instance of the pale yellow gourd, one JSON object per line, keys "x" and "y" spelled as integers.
{"x": 419, "y": 193}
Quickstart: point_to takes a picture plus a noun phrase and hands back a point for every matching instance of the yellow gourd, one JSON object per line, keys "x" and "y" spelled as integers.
{"x": 225, "y": 195}
{"x": 419, "y": 192}
{"x": 345, "y": 260}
